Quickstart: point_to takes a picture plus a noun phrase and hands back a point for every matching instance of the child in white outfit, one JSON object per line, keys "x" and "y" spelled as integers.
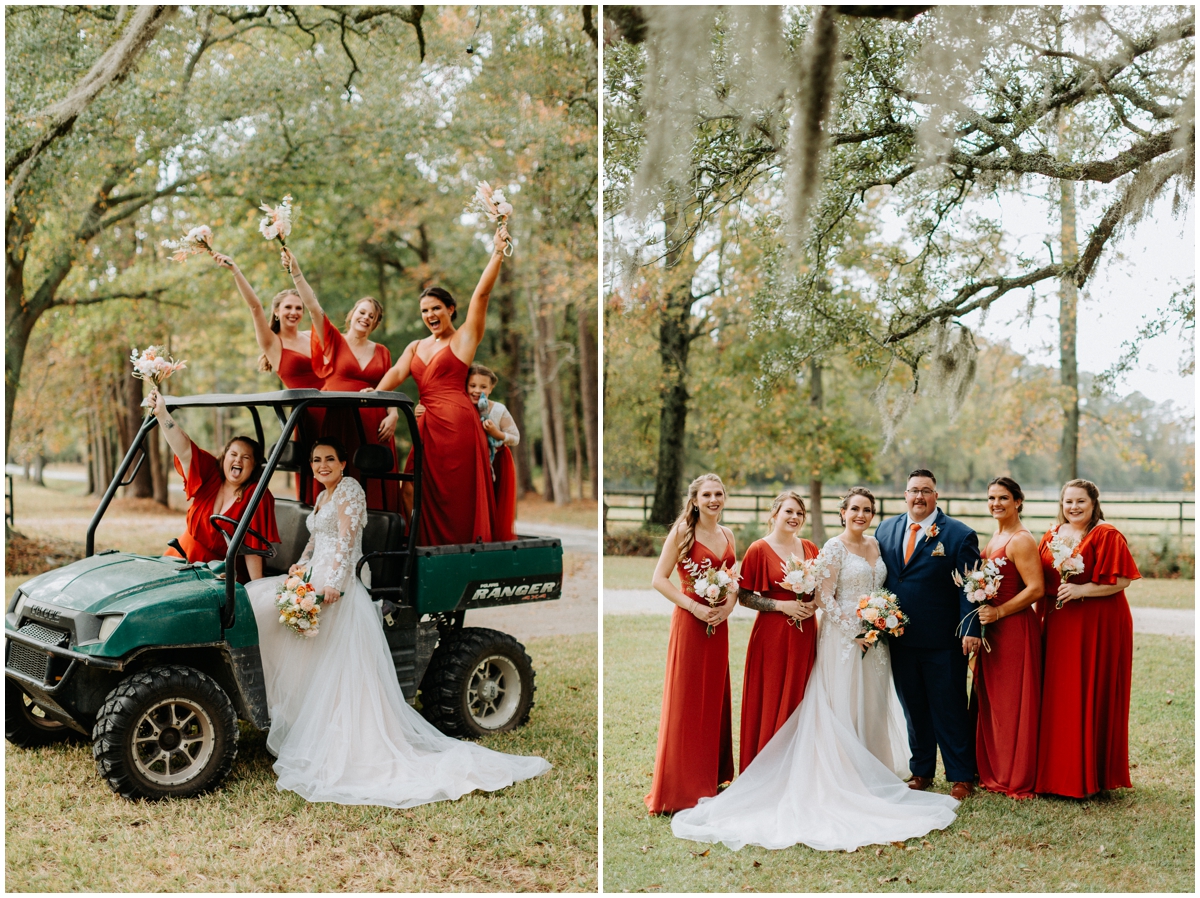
{"x": 497, "y": 421}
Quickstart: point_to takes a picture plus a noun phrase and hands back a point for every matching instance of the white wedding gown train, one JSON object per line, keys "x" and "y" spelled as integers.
{"x": 340, "y": 728}
{"x": 832, "y": 777}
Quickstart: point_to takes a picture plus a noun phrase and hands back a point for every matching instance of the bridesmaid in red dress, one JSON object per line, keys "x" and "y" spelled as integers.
{"x": 287, "y": 351}
{"x": 695, "y": 732}
{"x": 783, "y": 643}
{"x": 217, "y": 486}
{"x": 1008, "y": 679}
{"x": 1084, "y": 743}
{"x": 350, "y": 363}
{"x": 458, "y": 503}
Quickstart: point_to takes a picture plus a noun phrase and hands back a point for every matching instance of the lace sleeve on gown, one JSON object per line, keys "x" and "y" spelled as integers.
{"x": 835, "y": 552}
{"x": 306, "y": 555}
{"x": 351, "y": 506}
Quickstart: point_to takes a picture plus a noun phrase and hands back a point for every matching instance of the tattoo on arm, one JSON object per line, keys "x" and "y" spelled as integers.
{"x": 753, "y": 600}
{"x": 170, "y": 425}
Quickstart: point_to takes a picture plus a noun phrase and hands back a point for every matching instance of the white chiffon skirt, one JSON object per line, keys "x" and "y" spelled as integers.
{"x": 832, "y": 777}
{"x": 340, "y": 728}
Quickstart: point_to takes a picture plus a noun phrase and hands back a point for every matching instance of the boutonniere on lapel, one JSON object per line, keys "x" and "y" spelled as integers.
{"x": 933, "y": 534}
{"x": 939, "y": 551}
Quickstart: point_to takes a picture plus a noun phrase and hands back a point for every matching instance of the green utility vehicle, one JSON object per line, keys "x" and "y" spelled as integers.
{"x": 155, "y": 659}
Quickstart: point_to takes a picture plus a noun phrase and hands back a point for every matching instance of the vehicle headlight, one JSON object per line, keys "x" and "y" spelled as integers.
{"x": 19, "y": 605}
{"x": 109, "y": 624}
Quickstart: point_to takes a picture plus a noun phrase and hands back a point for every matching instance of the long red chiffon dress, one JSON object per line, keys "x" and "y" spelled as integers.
{"x": 296, "y": 372}
{"x": 203, "y": 541}
{"x": 339, "y": 368}
{"x": 779, "y": 657}
{"x": 505, "y": 483}
{"x": 458, "y": 501}
{"x": 1083, "y": 746}
{"x": 695, "y": 732}
{"x": 1008, "y": 683}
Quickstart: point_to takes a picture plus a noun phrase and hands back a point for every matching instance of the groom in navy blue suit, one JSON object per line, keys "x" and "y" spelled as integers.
{"x": 922, "y": 549}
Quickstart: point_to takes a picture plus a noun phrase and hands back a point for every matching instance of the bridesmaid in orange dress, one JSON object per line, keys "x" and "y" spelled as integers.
{"x": 695, "y": 732}
{"x": 783, "y": 643}
{"x": 1083, "y": 747}
{"x": 458, "y": 501}
{"x": 350, "y": 363}
{"x": 1008, "y": 679}
{"x": 287, "y": 351}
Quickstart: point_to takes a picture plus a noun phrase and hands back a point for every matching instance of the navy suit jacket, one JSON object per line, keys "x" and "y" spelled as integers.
{"x": 925, "y": 586}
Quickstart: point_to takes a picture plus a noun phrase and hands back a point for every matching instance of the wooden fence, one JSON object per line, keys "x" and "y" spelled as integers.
{"x": 1130, "y": 512}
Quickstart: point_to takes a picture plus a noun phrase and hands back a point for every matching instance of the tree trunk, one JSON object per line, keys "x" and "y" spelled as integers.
{"x": 674, "y": 343}
{"x": 545, "y": 365}
{"x": 1068, "y": 310}
{"x": 510, "y": 342}
{"x": 816, "y": 400}
{"x": 39, "y": 467}
{"x": 589, "y": 395}
{"x": 577, "y": 450}
{"x": 143, "y": 484}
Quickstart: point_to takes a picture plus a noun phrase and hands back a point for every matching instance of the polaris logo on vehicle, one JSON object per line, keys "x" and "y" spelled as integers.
{"x": 502, "y": 592}
{"x": 44, "y": 613}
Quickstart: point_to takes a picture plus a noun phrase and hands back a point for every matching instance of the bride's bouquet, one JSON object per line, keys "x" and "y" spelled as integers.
{"x": 197, "y": 240}
{"x": 1067, "y": 560}
{"x": 879, "y": 614}
{"x": 979, "y": 584}
{"x": 299, "y": 605}
{"x": 802, "y": 576}
{"x": 708, "y": 583}
{"x": 491, "y": 202}
{"x": 153, "y": 364}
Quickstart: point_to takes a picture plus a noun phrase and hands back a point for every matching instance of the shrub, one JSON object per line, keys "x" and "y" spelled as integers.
{"x": 1165, "y": 556}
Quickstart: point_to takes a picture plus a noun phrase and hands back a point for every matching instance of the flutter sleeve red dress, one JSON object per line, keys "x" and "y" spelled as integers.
{"x": 201, "y": 483}
{"x": 695, "y": 732}
{"x": 458, "y": 502}
{"x": 335, "y": 362}
{"x": 780, "y": 655}
{"x": 1008, "y": 683}
{"x": 1083, "y": 746}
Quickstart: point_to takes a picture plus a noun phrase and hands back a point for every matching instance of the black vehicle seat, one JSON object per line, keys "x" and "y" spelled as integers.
{"x": 291, "y": 520}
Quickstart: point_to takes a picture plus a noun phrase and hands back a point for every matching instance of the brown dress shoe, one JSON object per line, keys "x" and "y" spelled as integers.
{"x": 920, "y": 783}
{"x": 959, "y": 791}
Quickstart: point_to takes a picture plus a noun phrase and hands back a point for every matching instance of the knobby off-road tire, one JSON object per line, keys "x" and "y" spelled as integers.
{"x": 166, "y": 732}
{"x": 478, "y": 682}
{"x": 26, "y": 725}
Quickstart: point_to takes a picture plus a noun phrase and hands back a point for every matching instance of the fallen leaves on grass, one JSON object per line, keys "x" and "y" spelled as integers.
{"x": 24, "y": 557}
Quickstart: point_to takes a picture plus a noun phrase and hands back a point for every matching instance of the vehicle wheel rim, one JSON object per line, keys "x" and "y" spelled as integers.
{"x": 494, "y": 692}
{"x": 37, "y": 716}
{"x": 173, "y": 741}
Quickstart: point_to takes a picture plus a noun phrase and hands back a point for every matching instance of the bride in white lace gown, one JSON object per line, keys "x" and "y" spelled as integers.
{"x": 340, "y": 727}
{"x": 832, "y": 776}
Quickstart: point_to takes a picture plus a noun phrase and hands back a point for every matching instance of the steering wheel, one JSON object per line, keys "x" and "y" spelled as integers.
{"x": 268, "y": 552}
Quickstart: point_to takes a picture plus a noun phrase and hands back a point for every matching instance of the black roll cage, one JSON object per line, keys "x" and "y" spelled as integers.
{"x": 299, "y": 401}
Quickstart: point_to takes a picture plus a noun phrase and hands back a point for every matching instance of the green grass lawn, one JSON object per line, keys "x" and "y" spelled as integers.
{"x": 65, "y": 831}
{"x": 634, "y": 573}
{"x": 1141, "y": 839}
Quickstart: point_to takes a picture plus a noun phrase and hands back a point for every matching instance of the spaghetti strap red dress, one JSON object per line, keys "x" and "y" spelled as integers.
{"x": 296, "y": 372}
{"x": 203, "y": 541}
{"x": 458, "y": 502}
{"x": 1083, "y": 746}
{"x": 339, "y": 368}
{"x": 695, "y": 732}
{"x": 1008, "y": 683}
{"x": 779, "y": 657}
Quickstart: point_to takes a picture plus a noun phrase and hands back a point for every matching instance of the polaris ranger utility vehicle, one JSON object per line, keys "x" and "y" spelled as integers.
{"x": 155, "y": 659}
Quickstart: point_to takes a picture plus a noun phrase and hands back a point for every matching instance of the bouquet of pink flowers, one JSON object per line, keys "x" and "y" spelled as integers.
{"x": 980, "y": 583}
{"x": 803, "y": 576}
{"x": 879, "y": 614}
{"x": 1067, "y": 560}
{"x": 153, "y": 364}
{"x": 709, "y": 583}
{"x": 277, "y": 223}
{"x": 299, "y": 605}
{"x": 197, "y": 240}
{"x": 491, "y": 202}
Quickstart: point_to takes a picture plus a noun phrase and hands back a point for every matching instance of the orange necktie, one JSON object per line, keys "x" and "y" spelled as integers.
{"x": 913, "y": 530}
